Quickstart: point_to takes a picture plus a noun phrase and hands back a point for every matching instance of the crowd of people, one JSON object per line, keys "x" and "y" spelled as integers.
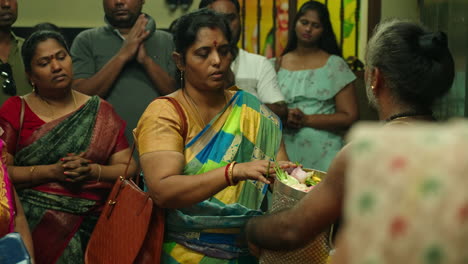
{"x": 212, "y": 124}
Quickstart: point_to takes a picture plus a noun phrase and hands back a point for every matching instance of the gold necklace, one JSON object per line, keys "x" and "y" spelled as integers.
{"x": 49, "y": 106}
{"x": 195, "y": 105}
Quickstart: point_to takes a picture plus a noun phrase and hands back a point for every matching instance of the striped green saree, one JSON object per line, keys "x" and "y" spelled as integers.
{"x": 208, "y": 232}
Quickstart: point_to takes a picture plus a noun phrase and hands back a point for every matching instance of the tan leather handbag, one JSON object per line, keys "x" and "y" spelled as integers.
{"x": 122, "y": 227}
{"x": 130, "y": 228}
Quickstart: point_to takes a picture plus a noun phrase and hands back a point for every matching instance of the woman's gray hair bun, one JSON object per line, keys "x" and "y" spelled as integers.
{"x": 434, "y": 44}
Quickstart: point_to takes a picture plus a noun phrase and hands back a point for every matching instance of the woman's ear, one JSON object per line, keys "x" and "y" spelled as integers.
{"x": 377, "y": 80}
{"x": 178, "y": 60}
{"x": 28, "y": 77}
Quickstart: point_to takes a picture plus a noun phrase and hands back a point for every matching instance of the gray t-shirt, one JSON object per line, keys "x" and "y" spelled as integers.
{"x": 133, "y": 90}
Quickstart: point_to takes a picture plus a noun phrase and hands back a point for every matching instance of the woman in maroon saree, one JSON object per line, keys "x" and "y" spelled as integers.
{"x": 71, "y": 148}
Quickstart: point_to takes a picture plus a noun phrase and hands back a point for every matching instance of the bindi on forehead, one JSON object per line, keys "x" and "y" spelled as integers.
{"x": 212, "y": 37}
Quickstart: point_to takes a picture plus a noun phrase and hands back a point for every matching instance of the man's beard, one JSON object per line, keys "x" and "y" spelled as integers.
{"x": 128, "y": 23}
{"x": 9, "y": 23}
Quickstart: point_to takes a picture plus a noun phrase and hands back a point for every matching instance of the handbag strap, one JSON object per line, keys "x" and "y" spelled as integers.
{"x": 180, "y": 111}
{"x": 128, "y": 162}
{"x": 184, "y": 129}
{"x": 20, "y": 124}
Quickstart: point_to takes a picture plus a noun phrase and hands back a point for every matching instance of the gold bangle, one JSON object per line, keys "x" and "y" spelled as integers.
{"x": 231, "y": 173}
{"x": 99, "y": 172}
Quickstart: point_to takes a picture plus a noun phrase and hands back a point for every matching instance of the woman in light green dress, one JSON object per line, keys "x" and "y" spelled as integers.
{"x": 318, "y": 86}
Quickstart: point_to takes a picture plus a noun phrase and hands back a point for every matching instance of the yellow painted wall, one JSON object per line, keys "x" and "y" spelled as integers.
{"x": 266, "y": 35}
{"x": 407, "y": 9}
{"x": 363, "y": 28}
{"x": 85, "y": 13}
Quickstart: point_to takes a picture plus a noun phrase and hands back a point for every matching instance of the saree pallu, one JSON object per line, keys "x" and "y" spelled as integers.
{"x": 62, "y": 215}
{"x": 7, "y": 200}
{"x": 208, "y": 232}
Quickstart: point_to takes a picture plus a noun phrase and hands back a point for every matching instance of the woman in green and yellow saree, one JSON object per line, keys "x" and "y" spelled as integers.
{"x": 210, "y": 178}
{"x": 65, "y": 151}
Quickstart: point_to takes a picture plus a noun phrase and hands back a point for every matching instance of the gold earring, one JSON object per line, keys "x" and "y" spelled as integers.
{"x": 181, "y": 79}
{"x": 372, "y": 87}
{"x": 33, "y": 87}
